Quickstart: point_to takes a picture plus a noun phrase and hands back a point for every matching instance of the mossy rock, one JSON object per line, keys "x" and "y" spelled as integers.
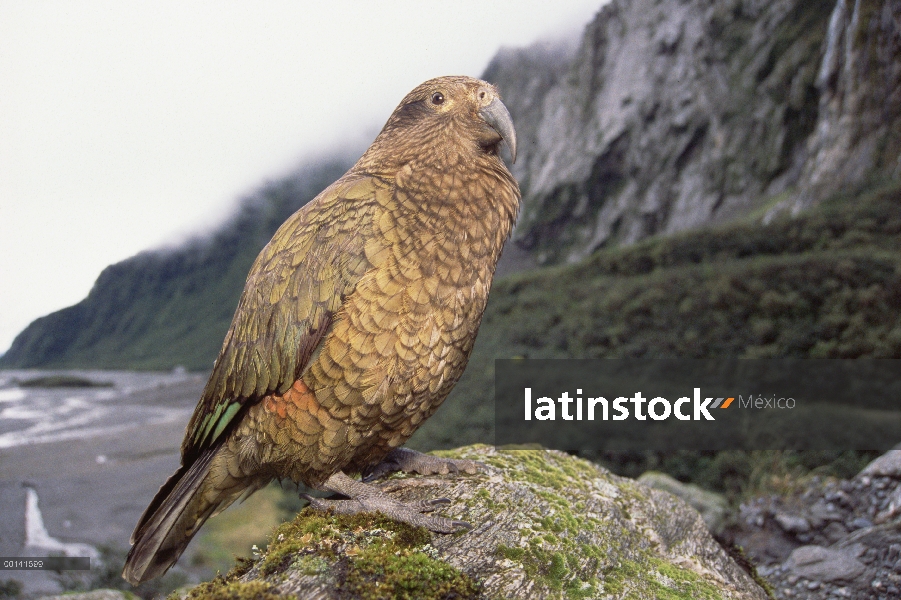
{"x": 712, "y": 506}
{"x": 545, "y": 525}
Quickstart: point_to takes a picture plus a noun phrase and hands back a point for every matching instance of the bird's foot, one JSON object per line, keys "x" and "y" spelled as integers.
{"x": 411, "y": 461}
{"x": 366, "y": 498}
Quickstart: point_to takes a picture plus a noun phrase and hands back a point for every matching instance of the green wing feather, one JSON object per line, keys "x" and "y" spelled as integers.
{"x": 294, "y": 287}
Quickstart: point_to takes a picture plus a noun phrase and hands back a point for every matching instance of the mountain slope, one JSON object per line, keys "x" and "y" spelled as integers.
{"x": 169, "y": 307}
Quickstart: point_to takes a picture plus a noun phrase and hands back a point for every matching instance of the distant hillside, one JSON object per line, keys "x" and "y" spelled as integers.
{"x": 169, "y": 307}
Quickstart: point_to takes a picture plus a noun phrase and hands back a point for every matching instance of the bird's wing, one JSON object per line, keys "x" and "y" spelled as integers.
{"x": 295, "y": 286}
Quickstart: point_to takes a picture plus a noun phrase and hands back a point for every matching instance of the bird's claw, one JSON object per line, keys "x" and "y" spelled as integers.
{"x": 411, "y": 513}
{"x": 380, "y": 470}
{"x": 367, "y": 498}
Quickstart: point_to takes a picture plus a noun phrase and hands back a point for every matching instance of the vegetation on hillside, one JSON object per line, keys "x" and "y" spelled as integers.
{"x": 823, "y": 284}
{"x": 165, "y": 308}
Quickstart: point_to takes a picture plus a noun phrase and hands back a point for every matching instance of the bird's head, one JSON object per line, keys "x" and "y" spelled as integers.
{"x": 450, "y": 116}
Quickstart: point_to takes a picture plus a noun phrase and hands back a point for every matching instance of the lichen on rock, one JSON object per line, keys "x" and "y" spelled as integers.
{"x": 545, "y": 525}
{"x": 712, "y": 506}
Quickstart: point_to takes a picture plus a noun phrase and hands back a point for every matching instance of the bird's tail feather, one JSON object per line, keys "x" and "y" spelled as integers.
{"x": 187, "y": 499}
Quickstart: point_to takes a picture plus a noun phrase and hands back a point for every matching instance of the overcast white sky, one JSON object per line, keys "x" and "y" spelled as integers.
{"x": 125, "y": 126}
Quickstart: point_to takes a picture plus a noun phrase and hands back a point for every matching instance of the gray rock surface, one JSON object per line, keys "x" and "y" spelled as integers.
{"x": 850, "y": 548}
{"x": 94, "y": 595}
{"x": 677, "y": 113}
{"x": 825, "y": 564}
{"x": 859, "y": 86}
{"x": 710, "y": 505}
{"x": 546, "y": 525}
{"x": 791, "y": 523}
{"x": 887, "y": 465}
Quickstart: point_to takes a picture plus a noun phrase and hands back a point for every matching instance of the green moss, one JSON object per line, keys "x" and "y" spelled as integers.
{"x": 510, "y": 553}
{"x": 317, "y": 531}
{"x": 679, "y": 583}
{"x": 535, "y": 466}
{"x": 221, "y": 588}
{"x": 482, "y": 499}
{"x": 242, "y": 566}
{"x": 577, "y": 590}
{"x": 555, "y": 559}
{"x": 557, "y": 570}
{"x": 230, "y": 588}
{"x": 310, "y": 565}
{"x": 545, "y": 566}
{"x": 552, "y": 556}
{"x": 657, "y": 579}
{"x": 378, "y": 573}
{"x": 616, "y": 576}
{"x": 369, "y": 556}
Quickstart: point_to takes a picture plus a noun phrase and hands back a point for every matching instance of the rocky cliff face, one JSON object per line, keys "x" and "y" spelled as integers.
{"x": 858, "y": 131}
{"x": 674, "y": 114}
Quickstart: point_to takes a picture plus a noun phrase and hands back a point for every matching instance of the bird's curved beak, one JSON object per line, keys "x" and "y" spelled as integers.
{"x": 497, "y": 115}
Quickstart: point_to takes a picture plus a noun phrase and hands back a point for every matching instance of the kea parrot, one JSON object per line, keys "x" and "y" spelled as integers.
{"x": 355, "y": 322}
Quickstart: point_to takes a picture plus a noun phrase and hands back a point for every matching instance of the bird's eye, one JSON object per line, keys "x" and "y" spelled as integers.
{"x": 437, "y": 98}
